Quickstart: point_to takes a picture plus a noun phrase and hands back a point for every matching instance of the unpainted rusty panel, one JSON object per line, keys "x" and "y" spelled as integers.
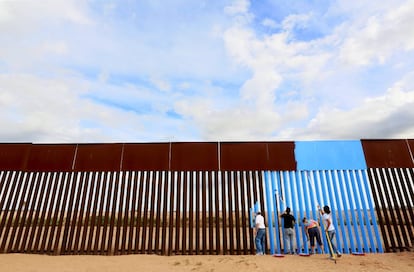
{"x": 14, "y": 156}
{"x": 51, "y": 157}
{"x": 148, "y": 156}
{"x": 410, "y": 143}
{"x": 281, "y": 156}
{"x": 98, "y": 157}
{"x": 194, "y": 156}
{"x": 256, "y": 156}
{"x": 243, "y": 156}
{"x": 387, "y": 154}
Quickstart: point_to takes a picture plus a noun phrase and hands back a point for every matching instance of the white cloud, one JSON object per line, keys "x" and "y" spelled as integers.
{"x": 161, "y": 84}
{"x": 71, "y": 71}
{"x": 115, "y": 42}
{"x": 236, "y": 123}
{"x": 35, "y": 108}
{"x": 380, "y": 36}
{"x": 261, "y": 88}
{"x": 23, "y": 15}
{"x": 314, "y": 65}
{"x": 295, "y": 20}
{"x": 61, "y": 110}
{"x": 55, "y": 47}
{"x": 269, "y": 23}
{"x": 237, "y": 7}
{"x": 386, "y": 116}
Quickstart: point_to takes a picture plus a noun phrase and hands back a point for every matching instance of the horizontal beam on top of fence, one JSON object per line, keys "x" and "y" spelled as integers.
{"x": 186, "y": 156}
{"x": 194, "y": 156}
{"x": 54, "y": 157}
{"x": 98, "y": 157}
{"x": 203, "y": 156}
{"x": 387, "y": 154}
{"x": 146, "y": 156}
{"x": 238, "y": 156}
{"x": 329, "y": 155}
{"x": 14, "y": 156}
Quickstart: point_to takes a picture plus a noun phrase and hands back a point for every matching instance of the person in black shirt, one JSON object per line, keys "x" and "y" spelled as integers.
{"x": 288, "y": 230}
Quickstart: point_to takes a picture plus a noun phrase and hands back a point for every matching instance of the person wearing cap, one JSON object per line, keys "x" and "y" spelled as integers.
{"x": 312, "y": 231}
{"x": 288, "y": 230}
{"x": 260, "y": 230}
{"x": 329, "y": 227}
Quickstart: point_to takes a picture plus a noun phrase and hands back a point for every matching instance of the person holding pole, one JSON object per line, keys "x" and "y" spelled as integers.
{"x": 329, "y": 229}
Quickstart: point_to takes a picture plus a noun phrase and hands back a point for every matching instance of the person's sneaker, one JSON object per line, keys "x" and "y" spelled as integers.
{"x": 339, "y": 254}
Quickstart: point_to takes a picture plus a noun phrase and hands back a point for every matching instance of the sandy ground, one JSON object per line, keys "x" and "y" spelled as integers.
{"x": 148, "y": 263}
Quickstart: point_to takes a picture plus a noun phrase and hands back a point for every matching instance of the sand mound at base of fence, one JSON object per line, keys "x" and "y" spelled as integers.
{"x": 148, "y": 263}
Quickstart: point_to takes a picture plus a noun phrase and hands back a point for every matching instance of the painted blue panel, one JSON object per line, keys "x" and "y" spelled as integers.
{"x": 367, "y": 220}
{"x": 276, "y": 190}
{"x": 324, "y": 199}
{"x": 306, "y": 201}
{"x": 345, "y": 208}
{"x": 351, "y": 199}
{"x": 284, "y": 195}
{"x": 269, "y": 193}
{"x": 329, "y": 155}
{"x": 345, "y": 191}
{"x": 314, "y": 196}
{"x": 336, "y": 206}
{"x": 299, "y": 186}
{"x": 361, "y": 221}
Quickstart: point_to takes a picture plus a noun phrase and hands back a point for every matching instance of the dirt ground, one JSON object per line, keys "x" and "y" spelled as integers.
{"x": 370, "y": 262}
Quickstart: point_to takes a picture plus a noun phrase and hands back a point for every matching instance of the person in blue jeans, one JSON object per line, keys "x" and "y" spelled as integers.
{"x": 260, "y": 229}
{"x": 288, "y": 230}
{"x": 329, "y": 227}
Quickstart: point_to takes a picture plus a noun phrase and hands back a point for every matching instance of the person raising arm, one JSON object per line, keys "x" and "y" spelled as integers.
{"x": 329, "y": 227}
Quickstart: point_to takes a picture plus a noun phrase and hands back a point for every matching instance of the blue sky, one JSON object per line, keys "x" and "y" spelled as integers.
{"x": 181, "y": 70}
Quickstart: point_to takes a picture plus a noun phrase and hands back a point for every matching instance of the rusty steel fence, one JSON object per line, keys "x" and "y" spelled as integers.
{"x": 394, "y": 200}
{"x": 129, "y": 212}
{"x": 189, "y": 198}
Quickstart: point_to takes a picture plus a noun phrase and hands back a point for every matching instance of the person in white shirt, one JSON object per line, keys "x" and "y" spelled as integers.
{"x": 329, "y": 227}
{"x": 260, "y": 230}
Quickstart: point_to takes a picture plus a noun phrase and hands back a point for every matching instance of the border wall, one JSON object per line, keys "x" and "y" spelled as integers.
{"x": 197, "y": 197}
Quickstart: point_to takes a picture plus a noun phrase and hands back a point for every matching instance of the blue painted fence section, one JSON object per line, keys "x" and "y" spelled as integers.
{"x": 348, "y": 194}
{"x": 269, "y": 193}
{"x": 329, "y": 155}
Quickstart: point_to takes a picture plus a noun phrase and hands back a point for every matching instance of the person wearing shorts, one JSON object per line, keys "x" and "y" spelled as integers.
{"x": 312, "y": 231}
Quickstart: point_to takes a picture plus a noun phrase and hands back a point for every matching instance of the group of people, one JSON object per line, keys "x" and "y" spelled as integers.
{"x": 312, "y": 230}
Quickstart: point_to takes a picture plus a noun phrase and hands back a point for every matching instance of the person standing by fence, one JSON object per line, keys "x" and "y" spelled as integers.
{"x": 312, "y": 232}
{"x": 288, "y": 230}
{"x": 329, "y": 227}
{"x": 260, "y": 229}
